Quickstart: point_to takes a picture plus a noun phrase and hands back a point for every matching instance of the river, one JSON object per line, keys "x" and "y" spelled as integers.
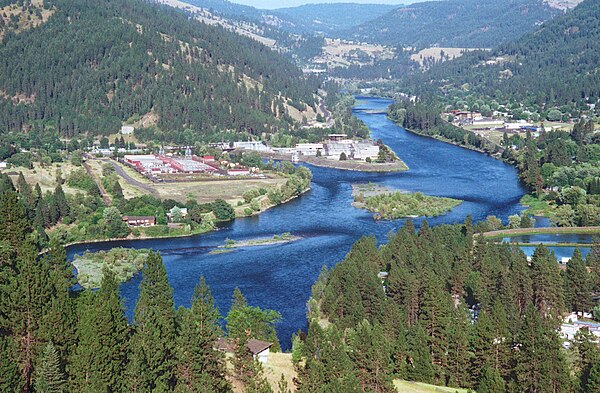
{"x": 279, "y": 277}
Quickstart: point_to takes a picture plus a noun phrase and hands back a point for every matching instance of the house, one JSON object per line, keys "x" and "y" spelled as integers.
{"x": 183, "y": 212}
{"x": 259, "y": 349}
{"x": 140, "y": 221}
{"x": 571, "y": 325}
{"x": 127, "y": 130}
{"x": 3, "y": 165}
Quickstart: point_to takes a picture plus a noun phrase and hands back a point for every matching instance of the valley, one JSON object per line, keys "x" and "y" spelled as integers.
{"x": 206, "y": 196}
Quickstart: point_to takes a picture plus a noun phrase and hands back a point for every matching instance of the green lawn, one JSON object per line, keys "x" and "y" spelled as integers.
{"x": 419, "y": 387}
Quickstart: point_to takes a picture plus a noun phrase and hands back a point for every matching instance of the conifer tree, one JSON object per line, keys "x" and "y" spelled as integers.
{"x": 61, "y": 201}
{"x": 540, "y": 365}
{"x": 199, "y": 363}
{"x": 48, "y": 375}
{"x": 491, "y": 381}
{"x": 369, "y": 351}
{"x": 458, "y": 347}
{"x": 587, "y": 356}
{"x": 435, "y": 316}
{"x": 546, "y": 283}
{"x": 419, "y": 367}
{"x": 9, "y": 370}
{"x": 152, "y": 366}
{"x": 578, "y": 294}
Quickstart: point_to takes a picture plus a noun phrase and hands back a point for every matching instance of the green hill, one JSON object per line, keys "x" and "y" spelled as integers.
{"x": 93, "y": 64}
{"x": 455, "y": 23}
{"x": 555, "y": 65}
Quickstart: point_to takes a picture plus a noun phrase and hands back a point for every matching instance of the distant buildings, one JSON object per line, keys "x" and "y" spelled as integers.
{"x": 332, "y": 148}
{"x": 162, "y": 164}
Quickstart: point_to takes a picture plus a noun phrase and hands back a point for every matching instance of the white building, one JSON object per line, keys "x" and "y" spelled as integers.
{"x": 127, "y": 130}
{"x": 252, "y": 145}
{"x": 309, "y": 149}
{"x": 571, "y": 325}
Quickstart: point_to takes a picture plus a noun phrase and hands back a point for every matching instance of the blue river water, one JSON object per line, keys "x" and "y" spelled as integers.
{"x": 279, "y": 277}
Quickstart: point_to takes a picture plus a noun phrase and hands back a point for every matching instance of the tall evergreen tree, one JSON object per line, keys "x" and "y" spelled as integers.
{"x": 199, "y": 363}
{"x": 546, "y": 283}
{"x": 578, "y": 291}
{"x": 48, "y": 375}
{"x": 540, "y": 364}
{"x": 152, "y": 365}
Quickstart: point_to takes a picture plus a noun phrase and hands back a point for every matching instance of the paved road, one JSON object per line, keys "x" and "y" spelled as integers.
{"x": 136, "y": 183}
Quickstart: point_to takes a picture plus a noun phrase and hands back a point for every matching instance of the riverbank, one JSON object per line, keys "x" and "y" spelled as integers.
{"x": 359, "y": 166}
{"x": 541, "y": 231}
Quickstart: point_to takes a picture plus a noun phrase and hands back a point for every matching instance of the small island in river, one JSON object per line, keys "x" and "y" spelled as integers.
{"x": 388, "y": 204}
{"x": 285, "y": 237}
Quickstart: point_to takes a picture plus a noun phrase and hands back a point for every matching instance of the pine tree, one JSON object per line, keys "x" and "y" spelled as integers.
{"x": 14, "y": 226}
{"x": 48, "y": 375}
{"x": 546, "y": 283}
{"x": 578, "y": 293}
{"x": 435, "y": 316}
{"x": 491, "y": 381}
{"x": 458, "y": 347}
{"x": 9, "y": 371}
{"x": 369, "y": 351}
{"x": 152, "y": 365}
{"x": 61, "y": 201}
{"x": 540, "y": 364}
{"x": 199, "y": 363}
{"x": 587, "y": 356}
{"x": 419, "y": 367}
{"x": 26, "y": 194}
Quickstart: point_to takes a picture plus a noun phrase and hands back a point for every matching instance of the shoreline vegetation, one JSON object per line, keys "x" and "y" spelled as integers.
{"x": 359, "y": 166}
{"x": 389, "y": 204}
{"x": 230, "y": 244}
{"x": 123, "y": 262}
{"x": 541, "y": 231}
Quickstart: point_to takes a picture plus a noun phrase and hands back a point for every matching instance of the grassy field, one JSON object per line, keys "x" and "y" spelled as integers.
{"x": 278, "y": 364}
{"x": 535, "y": 206}
{"x": 419, "y": 387}
{"x": 45, "y": 176}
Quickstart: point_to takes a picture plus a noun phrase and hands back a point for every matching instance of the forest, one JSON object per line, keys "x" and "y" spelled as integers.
{"x": 456, "y": 23}
{"x": 451, "y": 309}
{"x": 553, "y": 67}
{"x": 94, "y": 65}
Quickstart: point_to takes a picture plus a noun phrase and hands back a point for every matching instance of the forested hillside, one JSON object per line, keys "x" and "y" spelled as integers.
{"x": 455, "y": 23}
{"x": 94, "y": 64}
{"x": 557, "y": 64}
{"x": 331, "y": 18}
{"x": 452, "y": 310}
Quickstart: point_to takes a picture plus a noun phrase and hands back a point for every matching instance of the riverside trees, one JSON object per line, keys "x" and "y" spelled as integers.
{"x": 452, "y": 312}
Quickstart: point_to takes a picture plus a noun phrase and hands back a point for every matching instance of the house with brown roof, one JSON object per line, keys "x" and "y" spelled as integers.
{"x": 259, "y": 349}
{"x": 140, "y": 221}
